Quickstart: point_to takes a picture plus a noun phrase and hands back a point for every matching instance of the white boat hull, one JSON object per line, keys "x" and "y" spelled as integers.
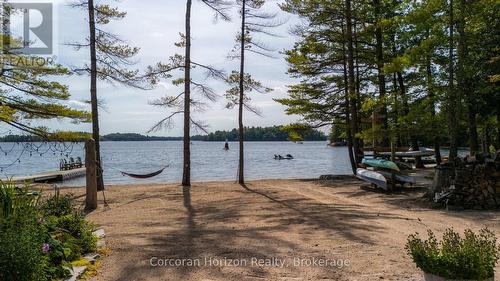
{"x": 372, "y": 177}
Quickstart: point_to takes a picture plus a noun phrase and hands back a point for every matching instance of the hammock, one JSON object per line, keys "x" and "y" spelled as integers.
{"x": 144, "y": 176}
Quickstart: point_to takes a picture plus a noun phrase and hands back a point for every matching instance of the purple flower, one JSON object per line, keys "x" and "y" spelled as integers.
{"x": 45, "y": 247}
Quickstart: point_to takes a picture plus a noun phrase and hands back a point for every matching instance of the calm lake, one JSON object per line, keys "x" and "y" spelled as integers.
{"x": 208, "y": 162}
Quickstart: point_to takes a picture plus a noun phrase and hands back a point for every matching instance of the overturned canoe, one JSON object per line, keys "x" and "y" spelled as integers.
{"x": 399, "y": 177}
{"x": 410, "y": 154}
{"x": 372, "y": 177}
{"x": 380, "y": 163}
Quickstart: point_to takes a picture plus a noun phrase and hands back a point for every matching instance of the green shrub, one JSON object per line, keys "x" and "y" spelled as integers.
{"x": 14, "y": 200}
{"x": 37, "y": 240}
{"x": 21, "y": 236}
{"x": 471, "y": 257}
{"x": 57, "y": 205}
{"x": 74, "y": 232}
{"x": 21, "y": 255}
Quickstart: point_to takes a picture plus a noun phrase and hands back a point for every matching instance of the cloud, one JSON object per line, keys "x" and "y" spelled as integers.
{"x": 76, "y": 104}
{"x": 154, "y": 28}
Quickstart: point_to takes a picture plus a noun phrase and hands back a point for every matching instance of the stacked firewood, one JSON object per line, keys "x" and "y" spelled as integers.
{"x": 476, "y": 183}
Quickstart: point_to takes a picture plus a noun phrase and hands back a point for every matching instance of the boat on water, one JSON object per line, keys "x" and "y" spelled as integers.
{"x": 286, "y": 157}
{"x": 380, "y": 163}
{"x": 372, "y": 177}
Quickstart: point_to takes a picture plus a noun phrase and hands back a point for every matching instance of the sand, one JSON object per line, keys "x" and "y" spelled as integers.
{"x": 268, "y": 230}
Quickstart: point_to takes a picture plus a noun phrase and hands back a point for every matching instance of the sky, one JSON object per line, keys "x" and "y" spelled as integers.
{"x": 154, "y": 27}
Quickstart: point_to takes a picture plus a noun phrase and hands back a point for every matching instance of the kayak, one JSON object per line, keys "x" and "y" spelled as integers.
{"x": 372, "y": 177}
{"x": 380, "y": 163}
{"x": 404, "y": 166}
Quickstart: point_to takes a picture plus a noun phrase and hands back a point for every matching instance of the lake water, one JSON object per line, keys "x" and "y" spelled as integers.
{"x": 208, "y": 160}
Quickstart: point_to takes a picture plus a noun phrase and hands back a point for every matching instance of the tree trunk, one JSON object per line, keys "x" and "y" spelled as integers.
{"x": 93, "y": 94}
{"x": 406, "y": 111}
{"x": 357, "y": 88}
{"x": 464, "y": 87}
{"x": 396, "y": 109}
{"x": 432, "y": 104}
{"x": 498, "y": 133}
{"x": 380, "y": 115}
{"x": 472, "y": 122}
{"x": 186, "y": 171}
{"x": 241, "y": 170}
{"x": 91, "y": 176}
{"x": 484, "y": 141}
{"x": 353, "y": 103}
{"x": 452, "y": 96}
{"x": 352, "y": 160}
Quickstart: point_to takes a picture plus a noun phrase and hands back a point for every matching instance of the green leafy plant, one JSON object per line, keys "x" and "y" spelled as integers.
{"x": 472, "y": 257}
{"x": 57, "y": 205}
{"x": 21, "y": 236}
{"x": 14, "y": 200}
{"x": 40, "y": 238}
{"x": 76, "y": 233}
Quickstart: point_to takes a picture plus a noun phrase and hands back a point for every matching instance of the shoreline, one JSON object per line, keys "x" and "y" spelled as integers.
{"x": 196, "y": 182}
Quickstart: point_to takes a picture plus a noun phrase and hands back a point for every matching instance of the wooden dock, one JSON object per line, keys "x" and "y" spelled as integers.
{"x": 51, "y": 176}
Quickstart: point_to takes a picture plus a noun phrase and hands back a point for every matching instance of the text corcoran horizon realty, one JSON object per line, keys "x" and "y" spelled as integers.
{"x": 248, "y": 262}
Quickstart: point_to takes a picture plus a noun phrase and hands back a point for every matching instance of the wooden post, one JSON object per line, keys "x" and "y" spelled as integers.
{"x": 91, "y": 178}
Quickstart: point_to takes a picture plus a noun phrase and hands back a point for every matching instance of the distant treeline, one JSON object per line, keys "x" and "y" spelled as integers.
{"x": 136, "y": 137}
{"x": 274, "y": 133}
{"x": 109, "y": 137}
{"x": 20, "y": 138}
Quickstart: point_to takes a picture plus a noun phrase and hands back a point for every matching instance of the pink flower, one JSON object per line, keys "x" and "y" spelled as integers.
{"x": 45, "y": 247}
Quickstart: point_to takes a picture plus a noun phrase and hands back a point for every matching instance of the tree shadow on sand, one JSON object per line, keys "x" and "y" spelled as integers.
{"x": 250, "y": 222}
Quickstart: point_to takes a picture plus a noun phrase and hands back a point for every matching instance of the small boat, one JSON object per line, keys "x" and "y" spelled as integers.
{"x": 423, "y": 152}
{"x": 372, "y": 177}
{"x": 399, "y": 177}
{"x": 279, "y": 157}
{"x": 380, "y": 163}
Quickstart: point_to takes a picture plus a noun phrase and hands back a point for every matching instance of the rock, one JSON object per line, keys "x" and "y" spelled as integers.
{"x": 92, "y": 257}
{"x": 76, "y": 272}
{"x": 99, "y": 233}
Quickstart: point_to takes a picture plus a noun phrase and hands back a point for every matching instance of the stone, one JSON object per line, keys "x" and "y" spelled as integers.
{"x": 99, "y": 233}
{"x": 92, "y": 258}
{"x": 76, "y": 272}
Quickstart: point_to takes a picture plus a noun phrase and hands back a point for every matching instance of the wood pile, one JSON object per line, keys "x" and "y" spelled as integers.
{"x": 475, "y": 183}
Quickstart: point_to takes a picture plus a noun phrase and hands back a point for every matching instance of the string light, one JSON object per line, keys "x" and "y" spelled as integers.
{"x": 63, "y": 148}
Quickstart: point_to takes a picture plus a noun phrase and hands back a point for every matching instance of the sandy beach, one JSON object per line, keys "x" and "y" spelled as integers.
{"x": 268, "y": 230}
